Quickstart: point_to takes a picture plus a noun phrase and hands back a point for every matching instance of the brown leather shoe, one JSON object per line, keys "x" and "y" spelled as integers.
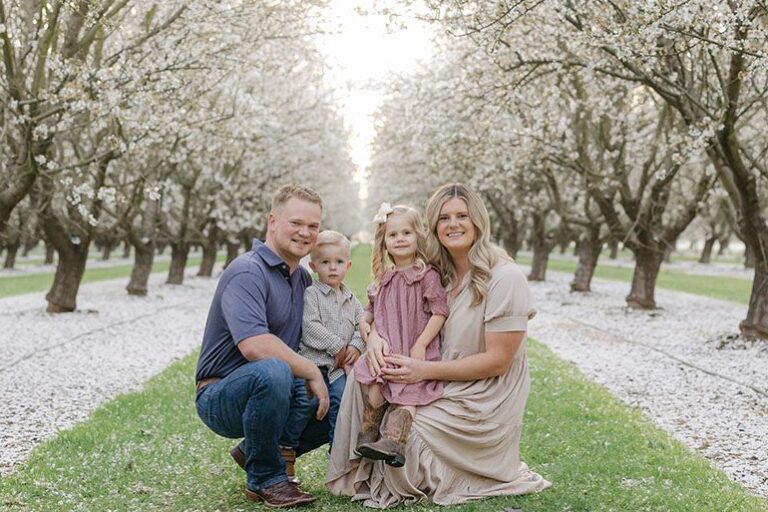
{"x": 289, "y": 456}
{"x": 281, "y": 495}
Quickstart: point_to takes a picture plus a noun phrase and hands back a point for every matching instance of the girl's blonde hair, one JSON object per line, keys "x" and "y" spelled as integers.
{"x": 483, "y": 255}
{"x": 380, "y": 259}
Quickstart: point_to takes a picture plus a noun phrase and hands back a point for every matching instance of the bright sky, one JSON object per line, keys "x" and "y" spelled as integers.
{"x": 362, "y": 54}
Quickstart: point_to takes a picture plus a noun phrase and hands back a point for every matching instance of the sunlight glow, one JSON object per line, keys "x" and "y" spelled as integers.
{"x": 363, "y": 52}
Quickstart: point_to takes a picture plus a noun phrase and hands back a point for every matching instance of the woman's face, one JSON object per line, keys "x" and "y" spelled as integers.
{"x": 454, "y": 227}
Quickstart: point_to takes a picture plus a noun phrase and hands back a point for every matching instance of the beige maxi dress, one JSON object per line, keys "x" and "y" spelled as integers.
{"x": 465, "y": 445}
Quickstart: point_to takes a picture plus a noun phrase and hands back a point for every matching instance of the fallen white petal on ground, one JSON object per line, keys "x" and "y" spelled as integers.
{"x": 56, "y": 369}
{"x": 679, "y": 364}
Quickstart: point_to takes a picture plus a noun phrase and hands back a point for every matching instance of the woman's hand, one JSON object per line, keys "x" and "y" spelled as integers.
{"x": 405, "y": 369}
{"x": 375, "y": 351}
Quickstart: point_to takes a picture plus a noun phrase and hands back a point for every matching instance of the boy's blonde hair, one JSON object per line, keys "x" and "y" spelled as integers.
{"x": 380, "y": 258}
{"x": 329, "y": 238}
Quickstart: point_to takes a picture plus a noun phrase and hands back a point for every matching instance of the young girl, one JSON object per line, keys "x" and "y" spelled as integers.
{"x": 409, "y": 307}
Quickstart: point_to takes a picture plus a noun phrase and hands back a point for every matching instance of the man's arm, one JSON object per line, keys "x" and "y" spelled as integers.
{"x": 269, "y": 346}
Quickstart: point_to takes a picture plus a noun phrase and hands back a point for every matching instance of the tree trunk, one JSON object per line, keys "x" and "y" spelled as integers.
{"x": 10, "y": 257}
{"x": 541, "y": 249}
{"x": 233, "y": 249}
{"x": 143, "y": 257}
{"x": 106, "y": 251}
{"x": 589, "y": 252}
{"x": 209, "y": 253}
{"x": 28, "y": 247}
{"x": 756, "y": 323}
{"x": 539, "y": 265}
{"x": 49, "y": 251}
{"x": 749, "y": 256}
{"x": 62, "y": 297}
{"x": 723, "y": 245}
{"x": 179, "y": 254}
{"x": 126, "y": 249}
{"x": 647, "y": 265}
{"x": 706, "y": 253}
{"x": 613, "y": 245}
{"x": 161, "y": 248}
{"x": 668, "y": 250}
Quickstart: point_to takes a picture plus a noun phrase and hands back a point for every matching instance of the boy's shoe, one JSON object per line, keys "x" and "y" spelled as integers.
{"x": 281, "y": 495}
{"x": 288, "y": 455}
{"x": 237, "y": 454}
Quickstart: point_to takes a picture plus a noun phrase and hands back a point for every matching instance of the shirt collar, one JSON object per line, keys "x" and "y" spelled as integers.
{"x": 327, "y": 289}
{"x": 270, "y": 258}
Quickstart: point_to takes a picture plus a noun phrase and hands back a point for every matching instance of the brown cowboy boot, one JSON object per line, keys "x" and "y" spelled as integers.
{"x": 391, "y": 447}
{"x": 289, "y": 457}
{"x": 369, "y": 430}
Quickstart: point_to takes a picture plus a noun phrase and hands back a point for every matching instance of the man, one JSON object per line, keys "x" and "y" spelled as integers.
{"x": 248, "y": 360}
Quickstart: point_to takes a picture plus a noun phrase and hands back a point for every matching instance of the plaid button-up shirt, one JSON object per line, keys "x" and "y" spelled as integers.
{"x": 329, "y": 325}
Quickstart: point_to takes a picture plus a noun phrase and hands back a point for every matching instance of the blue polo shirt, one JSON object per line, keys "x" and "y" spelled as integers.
{"x": 256, "y": 295}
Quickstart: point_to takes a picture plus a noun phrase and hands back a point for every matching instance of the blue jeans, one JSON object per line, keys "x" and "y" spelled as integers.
{"x": 254, "y": 402}
{"x": 304, "y": 408}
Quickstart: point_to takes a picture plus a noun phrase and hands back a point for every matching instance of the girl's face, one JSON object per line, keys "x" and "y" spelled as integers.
{"x": 400, "y": 240}
{"x": 454, "y": 227}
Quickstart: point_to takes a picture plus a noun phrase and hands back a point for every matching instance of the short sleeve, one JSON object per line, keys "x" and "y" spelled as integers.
{"x": 435, "y": 301}
{"x": 508, "y": 305}
{"x": 244, "y": 305}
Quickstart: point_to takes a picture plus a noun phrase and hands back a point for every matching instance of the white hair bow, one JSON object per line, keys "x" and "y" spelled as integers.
{"x": 381, "y": 215}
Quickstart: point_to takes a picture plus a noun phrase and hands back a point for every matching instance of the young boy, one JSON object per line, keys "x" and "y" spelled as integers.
{"x": 333, "y": 334}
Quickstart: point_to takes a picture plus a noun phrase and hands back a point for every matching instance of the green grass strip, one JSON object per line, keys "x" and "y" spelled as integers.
{"x": 149, "y": 451}
{"x": 718, "y": 287}
{"x": 40, "y": 282}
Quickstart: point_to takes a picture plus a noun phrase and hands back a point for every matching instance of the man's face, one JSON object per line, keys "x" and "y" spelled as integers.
{"x": 331, "y": 263}
{"x": 293, "y": 227}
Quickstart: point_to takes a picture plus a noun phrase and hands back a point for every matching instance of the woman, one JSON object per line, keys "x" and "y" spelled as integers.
{"x": 465, "y": 445}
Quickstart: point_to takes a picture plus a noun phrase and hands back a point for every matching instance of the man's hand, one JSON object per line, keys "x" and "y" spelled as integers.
{"x": 316, "y": 388}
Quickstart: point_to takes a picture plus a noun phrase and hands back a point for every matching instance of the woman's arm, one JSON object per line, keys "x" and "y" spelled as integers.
{"x": 500, "y": 350}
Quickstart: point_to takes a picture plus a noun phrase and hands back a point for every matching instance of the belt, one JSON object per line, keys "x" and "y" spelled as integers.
{"x": 205, "y": 382}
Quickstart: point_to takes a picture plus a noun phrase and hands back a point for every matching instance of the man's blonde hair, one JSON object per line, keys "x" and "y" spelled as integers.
{"x": 286, "y": 192}
{"x": 329, "y": 238}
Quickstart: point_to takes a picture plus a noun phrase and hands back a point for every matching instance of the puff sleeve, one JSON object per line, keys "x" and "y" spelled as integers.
{"x": 435, "y": 301}
{"x": 509, "y": 304}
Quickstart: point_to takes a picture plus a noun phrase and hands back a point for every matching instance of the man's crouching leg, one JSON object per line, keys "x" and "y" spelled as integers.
{"x": 253, "y": 402}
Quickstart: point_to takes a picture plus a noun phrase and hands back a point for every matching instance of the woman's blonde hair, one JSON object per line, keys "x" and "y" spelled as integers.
{"x": 483, "y": 255}
{"x": 380, "y": 259}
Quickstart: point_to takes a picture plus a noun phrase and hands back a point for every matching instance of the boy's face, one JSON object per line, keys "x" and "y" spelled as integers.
{"x": 331, "y": 263}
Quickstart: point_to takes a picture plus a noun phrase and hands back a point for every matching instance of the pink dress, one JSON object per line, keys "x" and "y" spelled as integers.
{"x": 402, "y": 306}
